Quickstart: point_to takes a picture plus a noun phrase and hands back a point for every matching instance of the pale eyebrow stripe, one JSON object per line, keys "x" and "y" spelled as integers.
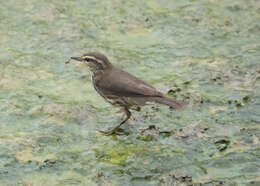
{"x": 89, "y": 57}
{"x": 99, "y": 61}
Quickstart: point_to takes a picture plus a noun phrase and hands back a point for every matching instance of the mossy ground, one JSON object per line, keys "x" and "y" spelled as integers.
{"x": 206, "y": 52}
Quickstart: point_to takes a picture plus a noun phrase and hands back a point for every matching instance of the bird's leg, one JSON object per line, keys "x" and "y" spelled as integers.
{"x": 115, "y": 130}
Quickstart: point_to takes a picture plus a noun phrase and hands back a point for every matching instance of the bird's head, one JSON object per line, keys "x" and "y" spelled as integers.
{"x": 94, "y": 60}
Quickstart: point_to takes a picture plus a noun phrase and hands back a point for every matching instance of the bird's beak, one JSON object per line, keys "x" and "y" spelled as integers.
{"x": 77, "y": 58}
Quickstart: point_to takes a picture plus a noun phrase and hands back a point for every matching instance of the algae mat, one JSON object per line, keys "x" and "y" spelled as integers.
{"x": 205, "y": 52}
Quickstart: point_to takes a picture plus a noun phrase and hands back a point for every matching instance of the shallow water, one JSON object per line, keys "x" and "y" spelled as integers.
{"x": 206, "y": 52}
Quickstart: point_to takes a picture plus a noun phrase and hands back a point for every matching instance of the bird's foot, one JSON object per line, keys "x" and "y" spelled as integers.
{"x": 112, "y": 132}
{"x": 150, "y": 127}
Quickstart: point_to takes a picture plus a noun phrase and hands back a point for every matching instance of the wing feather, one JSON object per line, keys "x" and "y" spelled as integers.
{"x": 121, "y": 83}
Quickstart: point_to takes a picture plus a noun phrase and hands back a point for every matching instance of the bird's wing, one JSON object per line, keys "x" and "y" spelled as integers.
{"x": 121, "y": 83}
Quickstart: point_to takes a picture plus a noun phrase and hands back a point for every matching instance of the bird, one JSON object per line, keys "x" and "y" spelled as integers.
{"x": 122, "y": 89}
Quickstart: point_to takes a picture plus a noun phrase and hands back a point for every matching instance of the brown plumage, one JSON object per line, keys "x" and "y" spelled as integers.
{"x": 121, "y": 88}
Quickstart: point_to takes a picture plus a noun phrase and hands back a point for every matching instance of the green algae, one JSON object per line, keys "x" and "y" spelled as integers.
{"x": 206, "y": 52}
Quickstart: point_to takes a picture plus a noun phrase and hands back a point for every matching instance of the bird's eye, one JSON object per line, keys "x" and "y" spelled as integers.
{"x": 88, "y": 60}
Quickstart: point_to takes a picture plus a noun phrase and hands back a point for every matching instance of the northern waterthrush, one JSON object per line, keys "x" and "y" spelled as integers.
{"x": 121, "y": 88}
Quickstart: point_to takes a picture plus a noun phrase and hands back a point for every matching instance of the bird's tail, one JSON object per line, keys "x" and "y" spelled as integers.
{"x": 170, "y": 102}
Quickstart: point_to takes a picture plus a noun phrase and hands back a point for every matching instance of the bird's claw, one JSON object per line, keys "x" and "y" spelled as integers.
{"x": 111, "y": 132}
